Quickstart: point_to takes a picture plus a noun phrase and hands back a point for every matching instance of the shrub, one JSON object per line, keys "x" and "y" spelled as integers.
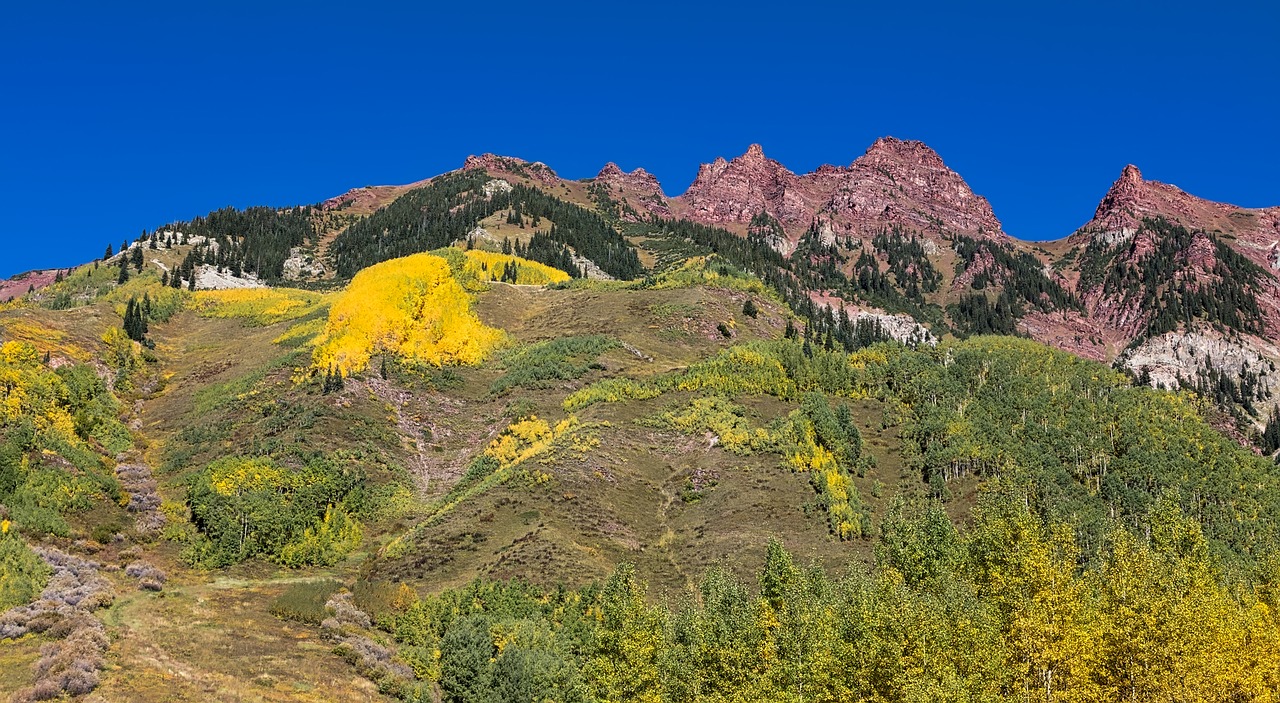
{"x": 611, "y": 390}
{"x": 22, "y": 574}
{"x": 252, "y": 506}
{"x": 305, "y": 601}
{"x": 563, "y": 359}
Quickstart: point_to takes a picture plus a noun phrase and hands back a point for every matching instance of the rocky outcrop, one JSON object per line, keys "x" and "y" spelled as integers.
{"x": 24, "y": 283}
{"x": 494, "y": 164}
{"x": 496, "y": 186}
{"x": 363, "y": 201}
{"x": 902, "y": 328}
{"x": 905, "y": 184}
{"x": 638, "y": 192}
{"x": 735, "y": 191}
{"x": 639, "y": 180}
{"x": 1255, "y": 232}
{"x": 1180, "y": 359}
{"x": 896, "y": 183}
{"x": 301, "y": 265}
{"x": 208, "y": 277}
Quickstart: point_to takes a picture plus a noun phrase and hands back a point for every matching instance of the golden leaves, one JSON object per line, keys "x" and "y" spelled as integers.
{"x": 411, "y": 307}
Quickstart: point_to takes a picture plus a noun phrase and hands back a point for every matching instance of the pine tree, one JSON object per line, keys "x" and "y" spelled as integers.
{"x": 110, "y": 253}
{"x": 133, "y": 321}
{"x": 124, "y": 271}
{"x": 1271, "y": 435}
{"x": 749, "y": 309}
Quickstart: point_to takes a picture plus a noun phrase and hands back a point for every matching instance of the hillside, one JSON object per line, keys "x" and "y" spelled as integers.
{"x": 897, "y": 236}
{"x": 498, "y": 435}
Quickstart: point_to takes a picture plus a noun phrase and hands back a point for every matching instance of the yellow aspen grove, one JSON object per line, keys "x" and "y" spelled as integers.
{"x": 411, "y": 307}
{"x": 491, "y": 266}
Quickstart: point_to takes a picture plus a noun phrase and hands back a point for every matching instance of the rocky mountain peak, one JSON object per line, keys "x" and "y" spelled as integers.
{"x": 896, "y": 183}
{"x": 639, "y": 180}
{"x": 903, "y": 151}
{"x": 735, "y": 191}
{"x": 1122, "y": 199}
{"x": 610, "y": 170}
{"x": 494, "y": 163}
{"x": 1132, "y": 198}
{"x": 904, "y": 183}
{"x": 755, "y": 154}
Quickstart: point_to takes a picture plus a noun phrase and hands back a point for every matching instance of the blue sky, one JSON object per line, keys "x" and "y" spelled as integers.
{"x": 123, "y": 117}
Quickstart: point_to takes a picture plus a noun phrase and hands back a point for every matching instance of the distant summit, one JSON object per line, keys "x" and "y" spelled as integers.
{"x": 895, "y": 184}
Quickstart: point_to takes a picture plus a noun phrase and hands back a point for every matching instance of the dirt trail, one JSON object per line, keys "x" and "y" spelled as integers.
{"x": 429, "y": 427}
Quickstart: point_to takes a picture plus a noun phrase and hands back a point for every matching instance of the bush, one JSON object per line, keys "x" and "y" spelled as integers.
{"x": 305, "y": 601}
{"x": 252, "y": 506}
{"x": 563, "y": 359}
{"x": 22, "y": 574}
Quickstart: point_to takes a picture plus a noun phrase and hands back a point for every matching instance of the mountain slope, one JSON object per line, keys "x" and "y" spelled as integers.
{"x": 446, "y": 521}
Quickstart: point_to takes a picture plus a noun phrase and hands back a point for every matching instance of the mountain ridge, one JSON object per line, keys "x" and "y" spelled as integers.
{"x": 898, "y": 232}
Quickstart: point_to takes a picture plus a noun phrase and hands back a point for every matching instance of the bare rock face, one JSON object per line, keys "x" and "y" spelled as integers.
{"x": 735, "y": 191}
{"x": 20, "y": 284}
{"x": 905, "y": 184}
{"x": 902, "y": 328}
{"x": 363, "y": 201}
{"x": 638, "y": 180}
{"x": 895, "y": 183}
{"x": 639, "y": 189}
{"x": 1177, "y": 359}
{"x": 301, "y": 265}
{"x": 494, "y": 164}
{"x": 495, "y": 186}
{"x": 208, "y": 277}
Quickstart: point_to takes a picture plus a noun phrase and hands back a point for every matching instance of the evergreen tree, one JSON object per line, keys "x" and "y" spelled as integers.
{"x": 1271, "y": 435}
{"x": 110, "y": 253}
{"x": 135, "y": 322}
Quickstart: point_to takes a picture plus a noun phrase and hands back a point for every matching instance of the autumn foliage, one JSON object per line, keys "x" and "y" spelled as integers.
{"x": 412, "y": 308}
{"x": 492, "y": 266}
